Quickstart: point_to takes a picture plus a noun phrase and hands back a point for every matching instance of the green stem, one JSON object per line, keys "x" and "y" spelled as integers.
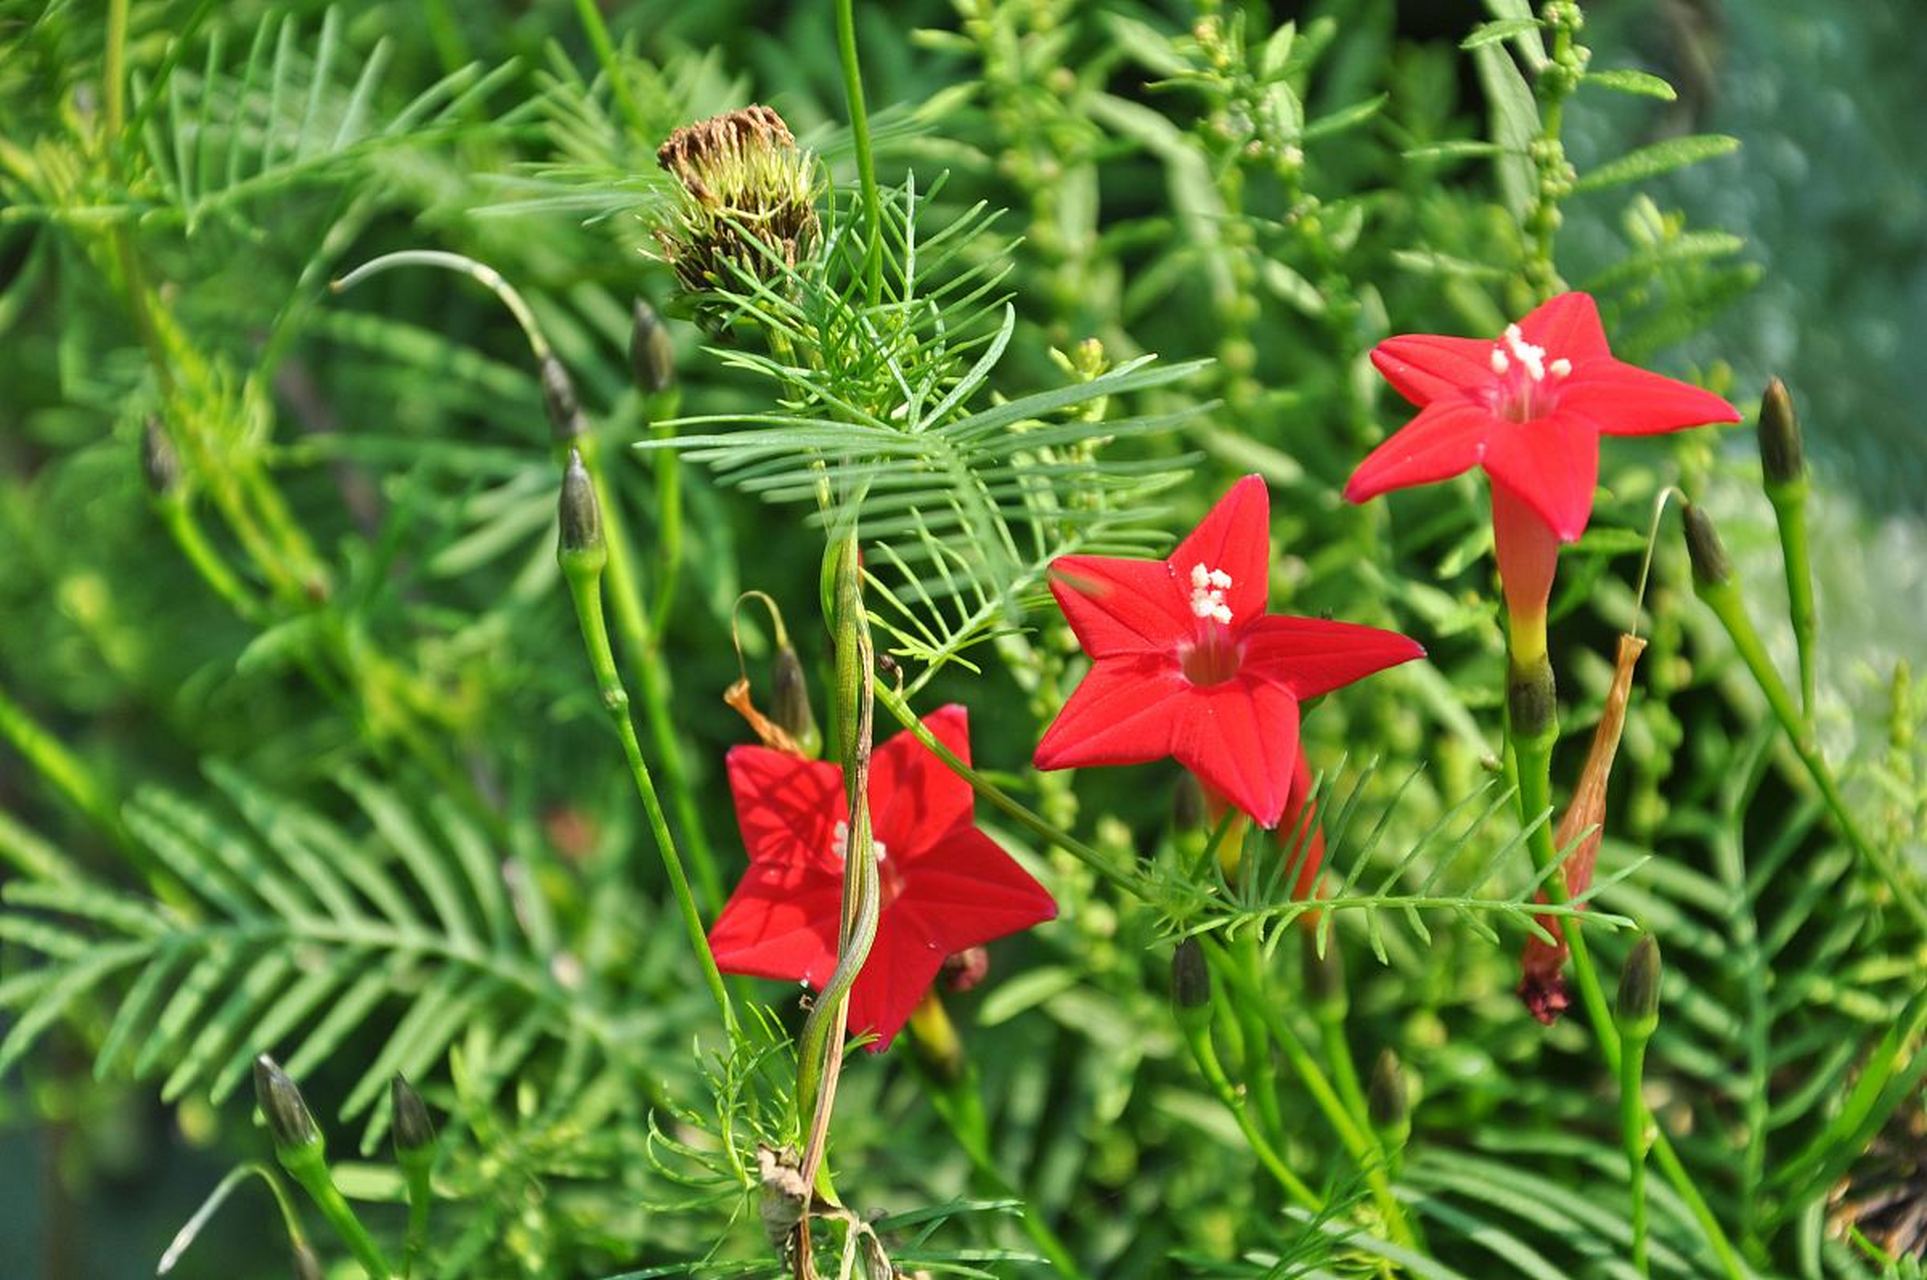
{"x": 639, "y": 645}
{"x": 1357, "y": 1139}
{"x": 1206, "y": 1056}
{"x": 1530, "y": 745}
{"x": 1790, "y": 514}
{"x": 605, "y": 51}
{"x": 1633, "y": 1125}
{"x": 1338, "y": 1053}
{"x": 960, "y": 1104}
{"x": 860, "y": 131}
{"x": 1260, "y": 1069}
{"x": 310, "y": 1169}
{"x": 585, "y": 588}
{"x": 192, "y": 541}
{"x": 668, "y": 465}
{"x": 820, "y": 1052}
{"x": 415, "y": 1172}
{"x": 1723, "y": 598}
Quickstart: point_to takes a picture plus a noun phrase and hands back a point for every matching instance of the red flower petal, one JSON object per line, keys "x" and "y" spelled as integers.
{"x": 1310, "y": 656}
{"x": 780, "y": 924}
{"x": 787, "y": 808}
{"x": 1568, "y": 328}
{"x": 1235, "y": 537}
{"x": 1446, "y": 438}
{"x": 1122, "y": 712}
{"x": 1119, "y": 606}
{"x": 914, "y": 797}
{"x": 968, "y": 892}
{"x": 1625, "y": 400}
{"x": 1241, "y": 739}
{"x": 1552, "y": 465}
{"x": 1424, "y": 367}
{"x": 900, "y": 967}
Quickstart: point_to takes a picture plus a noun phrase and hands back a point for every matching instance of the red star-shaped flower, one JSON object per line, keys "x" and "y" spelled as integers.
{"x": 946, "y": 885}
{"x": 1185, "y": 662}
{"x": 1529, "y": 408}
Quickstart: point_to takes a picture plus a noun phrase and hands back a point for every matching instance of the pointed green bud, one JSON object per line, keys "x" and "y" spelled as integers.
{"x": 1191, "y": 982}
{"x": 160, "y": 464}
{"x": 790, "y": 704}
{"x": 1637, "y": 1011}
{"x": 652, "y": 356}
{"x": 558, "y": 397}
{"x": 1782, "y": 455}
{"x": 414, "y": 1134}
{"x": 580, "y": 547}
{"x": 1389, "y": 1100}
{"x": 1711, "y": 568}
{"x": 289, "y": 1121}
{"x": 1324, "y": 978}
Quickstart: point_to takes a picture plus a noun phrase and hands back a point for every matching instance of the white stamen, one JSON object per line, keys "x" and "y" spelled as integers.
{"x": 1559, "y": 368}
{"x": 1207, "y": 593}
{"x": 1532, "y": 357}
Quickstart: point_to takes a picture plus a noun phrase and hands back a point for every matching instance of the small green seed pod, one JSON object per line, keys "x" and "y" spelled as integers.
{"x": 1782, "y": 453}
{"x": 652, "y": 356}
{"x": 580, "y": 547}
{"x": 1389, "y": 1100}
{"x": 558, "y": 397}
{"x": 414, "y": 1133}
{"x": 290, "y": 1123}
{"x": 1637, "y": 1010}
{"x": 1711, "y": 568}
{"x": 1191, "y": 982}
{"x": 790, "y": 702}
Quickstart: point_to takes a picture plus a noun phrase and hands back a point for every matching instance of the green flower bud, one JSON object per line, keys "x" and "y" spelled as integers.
{"x": 1389, "y": 1099}
{"x": 1711, "y": 568}
{"x": 652, "y": 357}
{"x": 558, "y": 397}
{"x": 160, "y": 464}
{"x": 790, "y": 703}
{"x": 414, "y": 1134}
{"x": 1782, "y": 455}
{"x": 1191, "y": 981}
{"x": 289, "y": 1122}
{"x": 1324, "y": 977}
{"x": 580, "y": 546}
{"x": 1637, "y": 1011}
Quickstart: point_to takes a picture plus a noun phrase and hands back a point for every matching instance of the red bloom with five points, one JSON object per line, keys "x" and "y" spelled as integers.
{"x": 946, "y": 885}
{"x": 1529, "y": 408}
{"x": 1185, "y": 662}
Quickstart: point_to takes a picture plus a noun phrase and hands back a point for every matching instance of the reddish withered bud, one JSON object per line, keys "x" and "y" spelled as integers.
{"x": 747, "y": 210}
{"x": 964, "y": 969}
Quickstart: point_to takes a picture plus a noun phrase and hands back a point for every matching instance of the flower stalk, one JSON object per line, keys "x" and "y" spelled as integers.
{"x": 1636, "y": 1016}
{"x": 302, "y": 1151}
{"x": 583, "y": 552}
{"x": 1783, "y": 466}
{"x": 415, "y": 1154}
{"x": 1713, "y": 583}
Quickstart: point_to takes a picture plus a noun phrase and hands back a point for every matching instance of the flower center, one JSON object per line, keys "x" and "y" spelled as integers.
{"x": 1207, "y": 593}
{"x": 1213, "y": 659}
{"x": 1523, "y": 393}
